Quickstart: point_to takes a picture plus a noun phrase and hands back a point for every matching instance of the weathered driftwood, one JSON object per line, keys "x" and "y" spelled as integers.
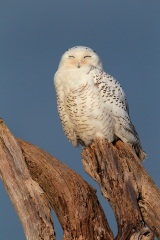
{"x": 26, "y": 195}
{"x": 134, "y": 197}
{"x": 74, "y": 201}
{"x": 33, "y": 178}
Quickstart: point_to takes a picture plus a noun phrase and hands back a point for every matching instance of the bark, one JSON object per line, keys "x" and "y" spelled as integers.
{"x": 132, "y": 194}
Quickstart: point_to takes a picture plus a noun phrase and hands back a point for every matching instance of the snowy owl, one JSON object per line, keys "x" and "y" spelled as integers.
{"x": 91, "y": 103}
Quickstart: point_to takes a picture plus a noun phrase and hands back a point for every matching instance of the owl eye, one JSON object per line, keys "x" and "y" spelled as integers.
{"x": 71, "y": 56}
{"x": 87, "y": 56}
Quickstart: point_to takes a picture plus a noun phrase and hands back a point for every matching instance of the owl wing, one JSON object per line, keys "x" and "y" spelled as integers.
{"x": 111, "y": 91}
{"x": 114, "y": 97}
{"x": 62, "y": 110}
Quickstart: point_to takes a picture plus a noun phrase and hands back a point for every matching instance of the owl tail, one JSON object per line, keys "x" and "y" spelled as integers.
{"x": 140, "y": 152}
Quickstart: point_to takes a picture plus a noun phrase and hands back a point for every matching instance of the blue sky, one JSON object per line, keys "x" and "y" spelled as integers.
{"x": 34, "y": 35}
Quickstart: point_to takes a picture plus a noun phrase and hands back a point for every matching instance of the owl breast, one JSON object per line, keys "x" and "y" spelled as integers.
{"x": 88, "y": 114}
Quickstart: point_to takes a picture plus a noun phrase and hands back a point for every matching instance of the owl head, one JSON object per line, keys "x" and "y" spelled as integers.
{"x": 79, "y": 57}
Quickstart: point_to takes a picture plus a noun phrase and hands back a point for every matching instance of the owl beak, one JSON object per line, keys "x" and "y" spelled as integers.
{"x": 78, "y": 65}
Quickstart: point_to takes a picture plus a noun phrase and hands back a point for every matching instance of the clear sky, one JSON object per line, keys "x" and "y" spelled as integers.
{"x": 34, "y": 35}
